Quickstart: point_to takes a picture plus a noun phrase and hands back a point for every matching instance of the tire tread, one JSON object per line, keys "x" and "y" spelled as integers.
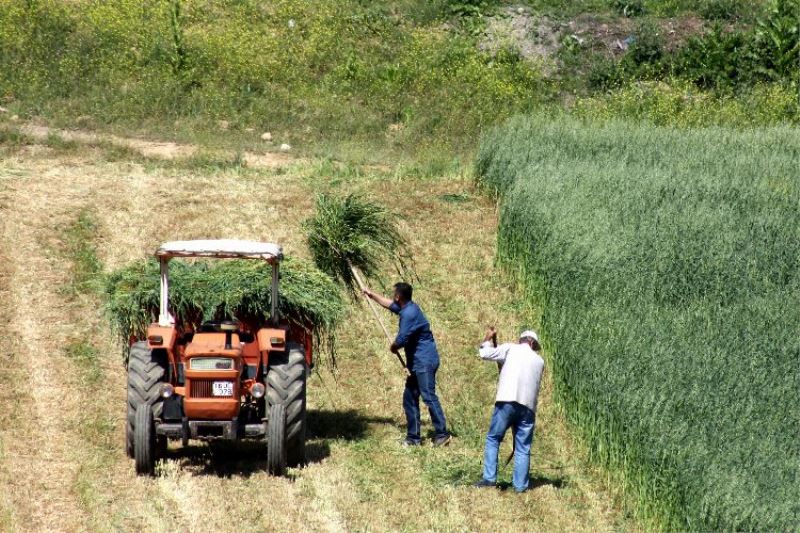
{"x": 286, "y": 385}
{"x": 145, "y": 375}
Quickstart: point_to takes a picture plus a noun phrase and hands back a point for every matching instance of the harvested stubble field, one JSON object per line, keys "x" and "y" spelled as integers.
{"x": 68, "y": 209}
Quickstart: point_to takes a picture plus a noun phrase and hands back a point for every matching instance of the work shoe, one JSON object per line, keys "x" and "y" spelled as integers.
{"x": 484, "y": 484}
{"x": 444, "y": 440}
{"x": 408, "y": 443}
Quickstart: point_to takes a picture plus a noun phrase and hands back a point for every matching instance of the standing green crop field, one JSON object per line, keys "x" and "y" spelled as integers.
{"x": 668, "y": 266}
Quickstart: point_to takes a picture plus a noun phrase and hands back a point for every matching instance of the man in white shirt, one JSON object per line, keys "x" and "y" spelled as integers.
{"x": 515, "y": 403}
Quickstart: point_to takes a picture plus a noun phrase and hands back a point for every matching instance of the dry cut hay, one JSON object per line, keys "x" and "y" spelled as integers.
{"x": 204, "y": 290}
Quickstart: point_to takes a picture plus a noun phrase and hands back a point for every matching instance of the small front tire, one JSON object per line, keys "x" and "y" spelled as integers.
{"x": 144, "y": 441}
{"x": 276, "y": 440}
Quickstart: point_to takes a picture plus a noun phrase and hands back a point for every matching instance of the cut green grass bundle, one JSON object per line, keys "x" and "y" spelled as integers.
{"x": 350, "y": 232}
{"x": 667, "y": 263}
{"x": 203, "y": 290}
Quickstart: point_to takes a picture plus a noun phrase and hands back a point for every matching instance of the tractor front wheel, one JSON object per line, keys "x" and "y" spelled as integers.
{"x": 286, "y": 385}
{"x": 276, "y": 440}
{"x": 144, "y": 441}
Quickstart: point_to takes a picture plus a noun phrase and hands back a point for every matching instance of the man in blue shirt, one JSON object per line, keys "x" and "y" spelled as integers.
{"x": 422, "y": 359}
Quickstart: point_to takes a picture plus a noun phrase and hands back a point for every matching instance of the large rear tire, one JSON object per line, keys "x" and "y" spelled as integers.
{"x": 146, "y": 372}
{"x": 144, "y": 441}
{"x": 286, "y": 385}
{"x": 276, "y": 440}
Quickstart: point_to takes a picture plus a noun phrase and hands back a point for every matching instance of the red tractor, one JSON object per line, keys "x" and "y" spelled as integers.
{"x": 222, "y": 380}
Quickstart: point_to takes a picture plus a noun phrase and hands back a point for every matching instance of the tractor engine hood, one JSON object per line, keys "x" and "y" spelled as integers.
{"x": 213, "y": 376}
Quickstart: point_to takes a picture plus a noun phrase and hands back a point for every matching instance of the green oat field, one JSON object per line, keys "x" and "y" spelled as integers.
{"x": 666, "y": 264}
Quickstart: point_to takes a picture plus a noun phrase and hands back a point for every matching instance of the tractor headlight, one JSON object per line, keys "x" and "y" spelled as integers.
{"x": 258, "y": 390}
{"x": 167, "y": 390}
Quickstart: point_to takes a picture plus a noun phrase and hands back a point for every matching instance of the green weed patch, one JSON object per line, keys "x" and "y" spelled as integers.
{"x": 79, "y": 250}
{"x": 86, "y": 357}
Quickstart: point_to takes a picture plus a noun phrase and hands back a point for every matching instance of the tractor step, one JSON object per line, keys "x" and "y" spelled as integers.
{"x": 211, "y": 430}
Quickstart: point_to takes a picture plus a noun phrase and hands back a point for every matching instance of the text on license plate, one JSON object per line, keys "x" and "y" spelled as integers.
{"x": 222, "y": 388}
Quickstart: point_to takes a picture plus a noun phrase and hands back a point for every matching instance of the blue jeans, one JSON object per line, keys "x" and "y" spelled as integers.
{"x": 521, "y": 420}
{"x": 422, "y": 382}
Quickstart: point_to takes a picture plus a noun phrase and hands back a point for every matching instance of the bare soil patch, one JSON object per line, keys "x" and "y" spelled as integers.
{"x": 539, "y": 38}
{"x": 148, "y": 148}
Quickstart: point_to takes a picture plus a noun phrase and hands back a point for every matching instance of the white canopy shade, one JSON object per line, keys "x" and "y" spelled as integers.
{"x": 223, "y": 249}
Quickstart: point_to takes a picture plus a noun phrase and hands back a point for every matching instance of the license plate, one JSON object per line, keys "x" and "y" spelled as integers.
{"x": 222, "y": 388}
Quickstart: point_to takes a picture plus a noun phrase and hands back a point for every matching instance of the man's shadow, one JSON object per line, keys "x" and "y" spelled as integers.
{"x": 557, "y": 482}
{"x": 245, "y": 458}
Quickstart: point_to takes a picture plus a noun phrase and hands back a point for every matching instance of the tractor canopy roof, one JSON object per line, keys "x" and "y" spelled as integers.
{"x": 222, "y": 249}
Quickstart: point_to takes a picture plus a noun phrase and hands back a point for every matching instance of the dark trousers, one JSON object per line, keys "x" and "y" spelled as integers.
{"x": 423, "y": 383}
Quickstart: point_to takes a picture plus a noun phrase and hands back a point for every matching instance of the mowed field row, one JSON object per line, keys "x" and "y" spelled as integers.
{"x": 62, "y": 383}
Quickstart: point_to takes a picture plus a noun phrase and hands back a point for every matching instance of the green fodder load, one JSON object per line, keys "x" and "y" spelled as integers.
{"x": 667, "y": 264}
{"x": 215, "y": 290}
{"x": 352, "y": 231}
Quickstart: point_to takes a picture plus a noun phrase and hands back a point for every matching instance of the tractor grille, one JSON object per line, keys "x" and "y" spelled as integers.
{"x": 203, "y": 388}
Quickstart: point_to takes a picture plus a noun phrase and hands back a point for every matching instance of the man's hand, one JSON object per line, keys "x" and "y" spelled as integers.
{"x": 394, "y": 349}
{"x": 382, "y": 300}
{"x": 491, "y": 334}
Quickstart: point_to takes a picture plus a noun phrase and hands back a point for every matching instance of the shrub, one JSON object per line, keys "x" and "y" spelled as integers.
{"x": 777, "y": 40}
{"x": 717, "y": 59}
{"x": 648, "y": 46}
{"x": 604, "y": 73}
{"x": 768, "y": 52}
{"x": 719, "y": 9}
{"x": 667, "y": 264}
{"x": 469, "y": 8}
{"x": 629, "y": 8}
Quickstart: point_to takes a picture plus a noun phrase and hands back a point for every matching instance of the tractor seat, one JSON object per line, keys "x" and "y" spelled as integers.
{"x": 219, "y": 326}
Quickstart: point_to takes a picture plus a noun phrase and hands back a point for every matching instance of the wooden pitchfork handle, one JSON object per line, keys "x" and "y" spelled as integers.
{"x": 375, "y": 313}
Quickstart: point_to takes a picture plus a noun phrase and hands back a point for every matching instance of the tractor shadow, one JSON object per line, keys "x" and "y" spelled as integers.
{"x": 243, "y": 459}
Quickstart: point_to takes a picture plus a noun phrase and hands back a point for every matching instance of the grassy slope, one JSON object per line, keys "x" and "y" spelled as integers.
{"x": 365, "y": 80}
{"x": 667, "y": 262}
{"x": 359, "y": 478}
{"x": 342, "y": 73}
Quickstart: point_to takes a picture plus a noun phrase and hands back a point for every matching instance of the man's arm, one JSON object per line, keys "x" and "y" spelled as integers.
{"x": 383, "y": 301}
{"x": 489, "y": 350}
{"x": 404, "y": 332}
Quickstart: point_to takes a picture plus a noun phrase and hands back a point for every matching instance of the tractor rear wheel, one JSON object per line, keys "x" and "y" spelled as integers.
{"x": 146, "y": 372}
{"x": 286, "y": 385}
{"x": 276, "y": 440}
{"x": 144, "y": 441}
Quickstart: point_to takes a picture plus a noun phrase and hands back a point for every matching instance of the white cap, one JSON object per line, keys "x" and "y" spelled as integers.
{"x": 529, "y": 334}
